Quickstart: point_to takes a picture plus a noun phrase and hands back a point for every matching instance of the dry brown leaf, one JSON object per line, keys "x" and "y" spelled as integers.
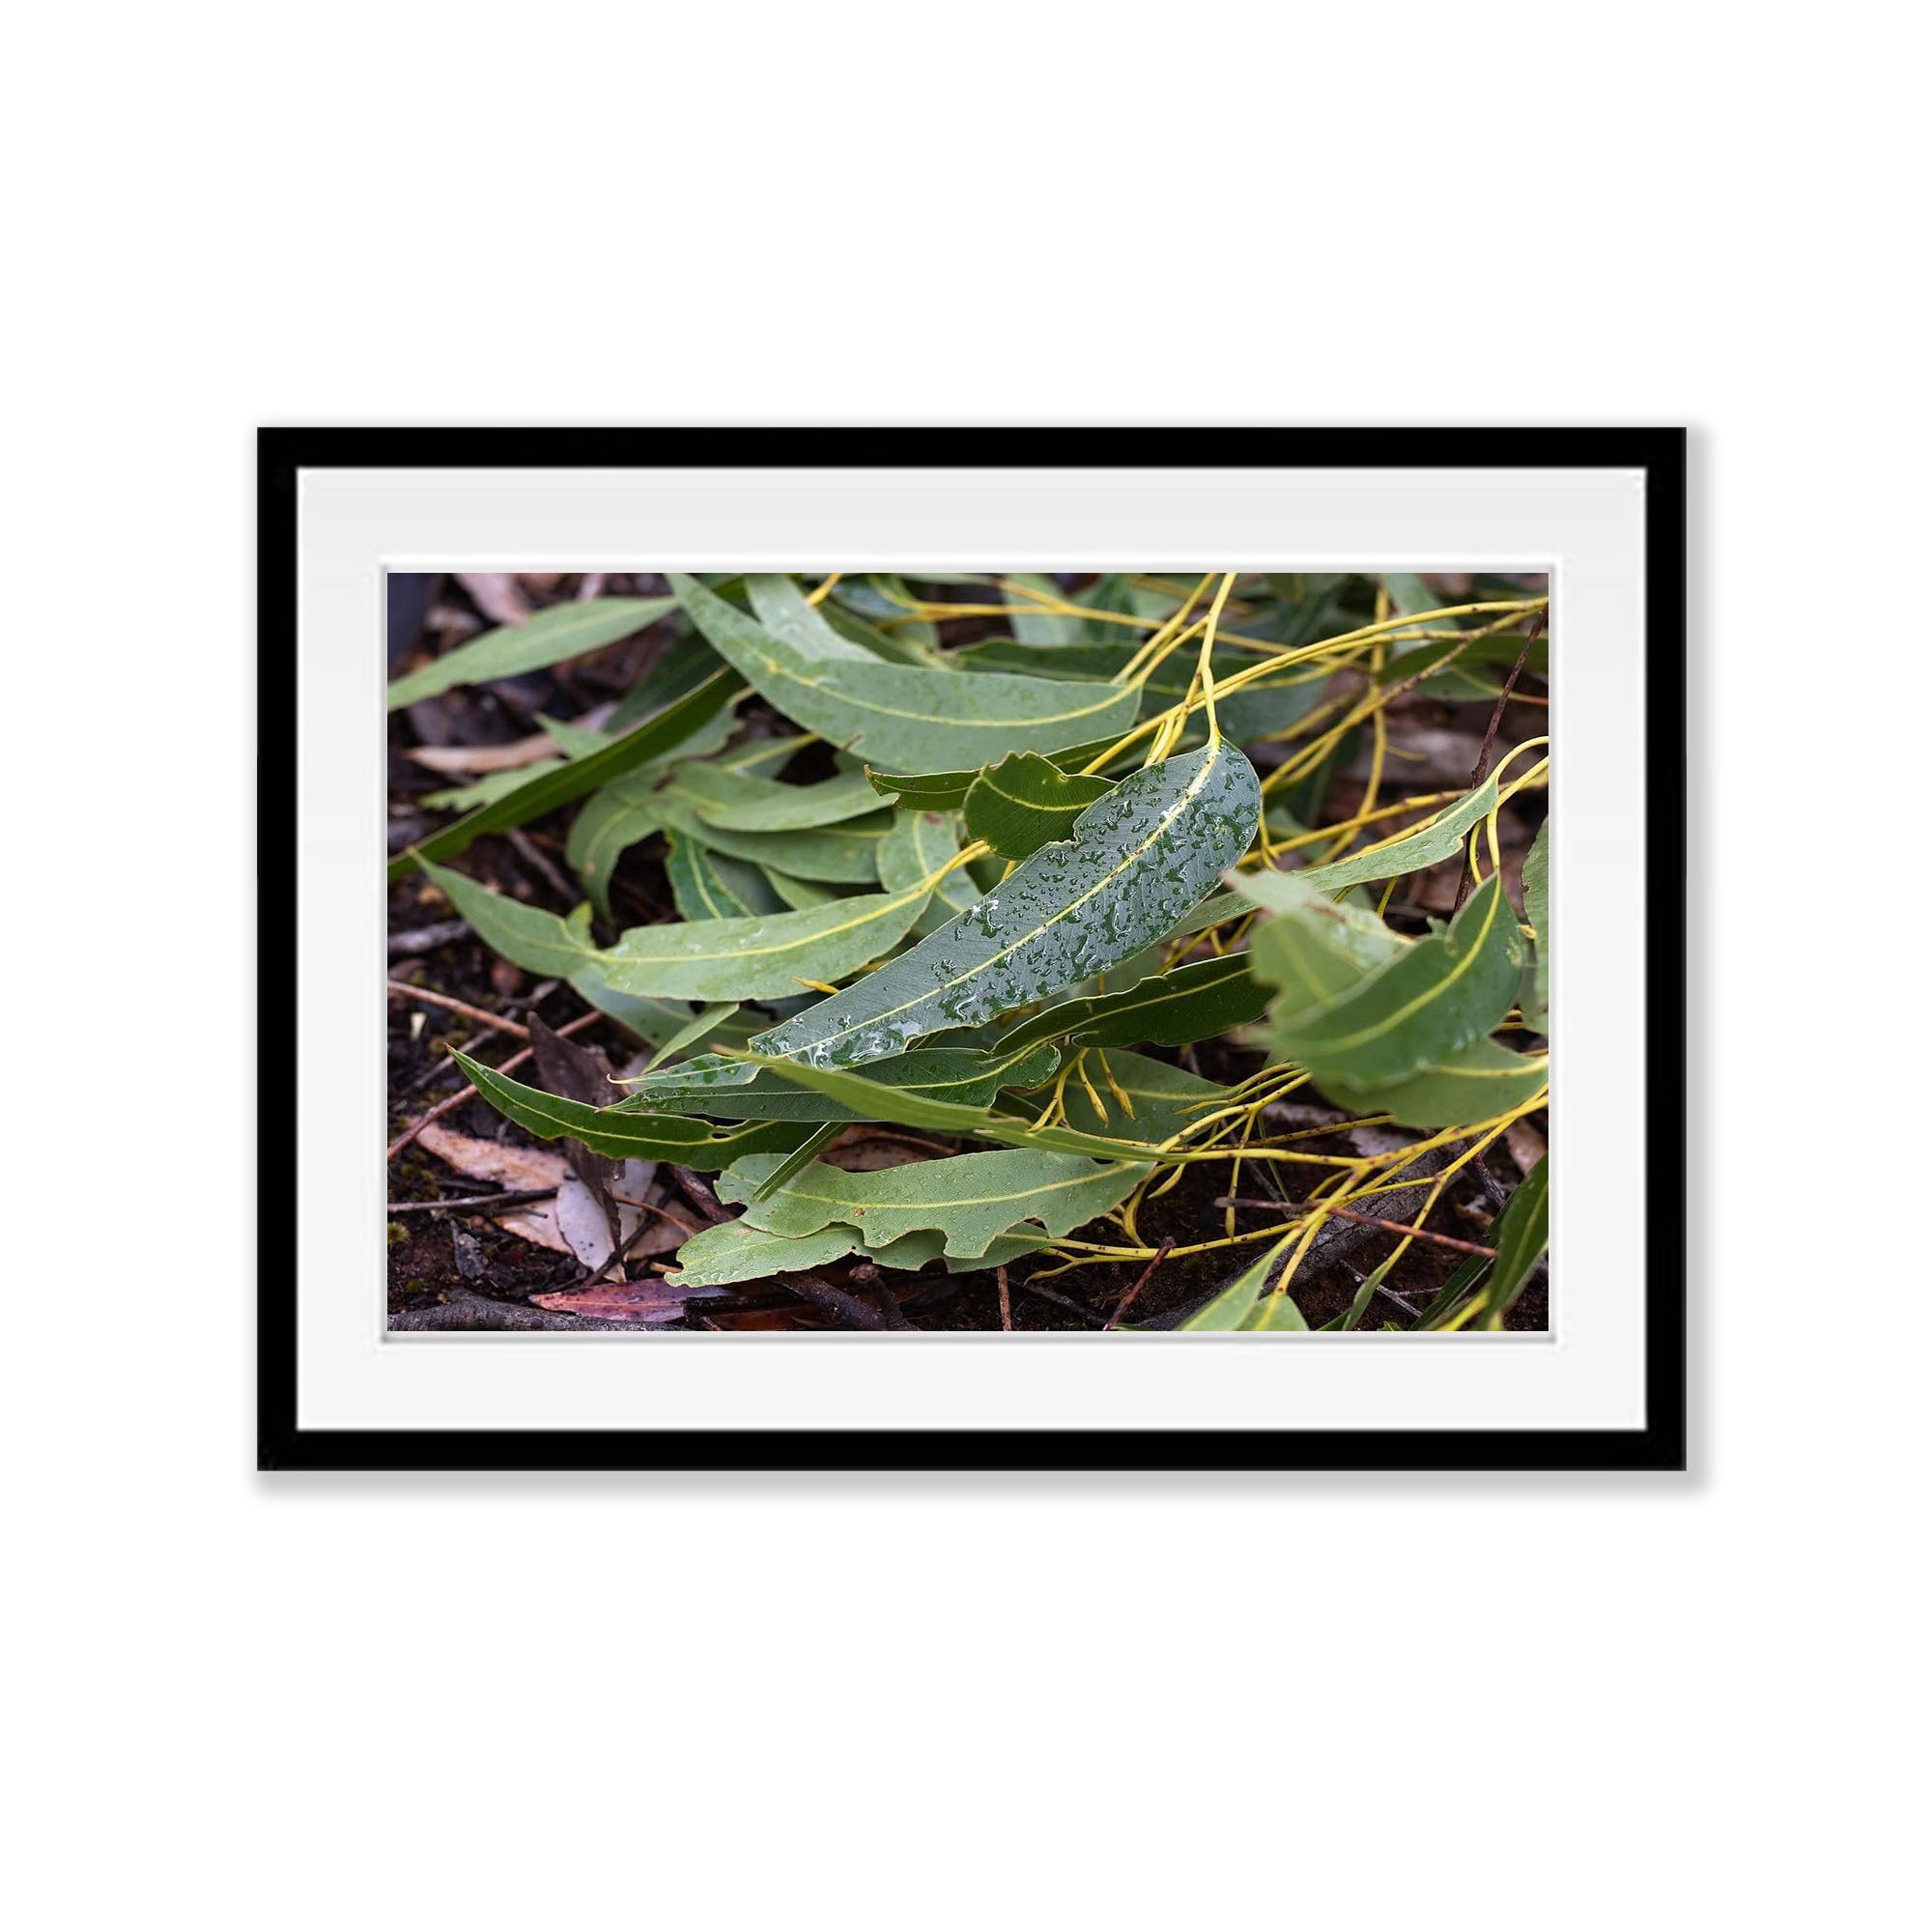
{"x": 648, "y": 1300}
{"x": 462, "y": 761}
{"x": 1527, "y": 1145}
{"x": 510, "y": 1168}
{"x": 497, "y": 595}
{"x": 537, "y": 1224}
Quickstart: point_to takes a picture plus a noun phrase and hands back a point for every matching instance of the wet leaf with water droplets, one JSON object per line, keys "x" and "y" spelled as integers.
{"x": 1137, "y": 860}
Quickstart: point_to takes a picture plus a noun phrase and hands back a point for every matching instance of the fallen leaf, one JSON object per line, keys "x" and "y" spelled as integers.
{"x": 579, "y": 1215}
{"x": 537, "y": 1224}
{"x": 497, "y": 595}
{"x": 471, "y": 1260}
{"x": 474, "y": 760}
{"x": 512, "y": 1168}
{"x": 649, "y": 1300}
{"x": 1526, "y": 1147}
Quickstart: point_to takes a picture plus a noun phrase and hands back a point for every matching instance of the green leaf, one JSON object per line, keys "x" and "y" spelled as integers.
{"x": 945, "y": 791}
{"x": 649, "y": 1136}
{"x": 526, "y": 935}
{"x": 564, "y": 631}
{"x": 1025, "y": 802}
{"x": 1536, "y": 903}
{"x": 669, "y": 1025}
{"x": 918, "y": 843}
{"x": 1442, "y": 839}
{"x": 766, "y": 957}
{"x": 702, "y": 1026}
{"x": 1274, "y": 1315}
{"x": 735, "y": 1090}
{"x": 737, "y": 1251}
{"x": 1314, "y": 948}
{"x": 1164, "y": 1098}
{"x": 1192, "y": 1002}
{"x": 1480, "y": 1082}
{"x": 740, "y": 804}
{"x": 1519, "y": 1236}
{"x": 706, "y": 885}
{"x": 847, "y": 854}
{"x": 914, "y": 717}
{"x": 874, "y": 1100}
{"x": 620, "y": 815}
{"x": 803, "y": 894}
{"x": 1239, "y": 1303}
{"x": 1138, "y": 861}
{"x": 971, "y": 1198}
{"x": 784, "y": 611}
{"x": 1032, "y": 625}
{"x": 579, "y": 777}
{"x": 1429, "y": 1001}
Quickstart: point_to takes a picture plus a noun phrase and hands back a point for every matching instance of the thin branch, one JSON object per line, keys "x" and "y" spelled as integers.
{"x": 515, "y": 1200}
{"x": 1125, "y": 1301}
{"x": 481, "y": 1015}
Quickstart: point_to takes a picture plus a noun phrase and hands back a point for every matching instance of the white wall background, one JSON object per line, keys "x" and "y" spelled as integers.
{"x": 486, "y": 1703}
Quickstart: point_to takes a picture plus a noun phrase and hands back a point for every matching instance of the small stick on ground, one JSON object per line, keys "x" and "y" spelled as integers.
{"x": 470, "y": 1201}
{"x": 1071, "y": 1306}
{"x": 467, "y": 1092}
{"x": 1006, "y": 1301}
{"x": 850, "y": 1310}
{"x": 481, "y": 1015}
{"x": 427, "y": 938}
{"x": 1125, "y": 1301}
{"x": 540, "y": 861}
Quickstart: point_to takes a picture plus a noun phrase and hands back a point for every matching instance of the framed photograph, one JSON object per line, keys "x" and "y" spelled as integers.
{"x": 971, "y": 948}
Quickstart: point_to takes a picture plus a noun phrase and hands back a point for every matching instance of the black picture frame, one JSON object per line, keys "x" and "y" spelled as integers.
{"x": 1659, "y": 1444}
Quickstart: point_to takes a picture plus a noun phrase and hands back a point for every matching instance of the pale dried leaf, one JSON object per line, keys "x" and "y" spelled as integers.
{"x": 648, "y": 1300}
{"x": 477, "y": 760}
{"x": 510, "y": 1168}
{"x": 580, "y": 1216}
{"x": 497, "y": 595}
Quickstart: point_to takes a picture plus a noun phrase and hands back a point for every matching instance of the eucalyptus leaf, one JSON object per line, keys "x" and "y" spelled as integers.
{"x": 874, "y": 1100}
{"x": 1175, "y": 1008}
{"x": 1237, "y": 1304}
{"x": 1441, "y": 839}
{"x": 734, "y": 1090}
{"x": 1025, "y": 802}
{"x": 1416, "y": 1011}
{"x": 1535, "y": 904}
{"x": 692, "y": 1143}
{"x": 726, "y": 798}
{"x": 945, "y": 791}
{"x": 576, "y": 778}
{"x": 708, "y": 884}
{"x": 971, "y": 1198}
{"x": 564, "y": 631}
{"x": 785, "y": 611}
{"x": 1520, "y": 1235}
{"x": 846, "y": 854}
{"x": 1139, "y": 859}
{"x": 910, "y": 717}
{"x": 1033, "y": 625}
{"x": 918, "y": 843}
{"x": 764, "y": 958}
{"x": 800, "y": 893}
{"x": 1476, "y": 1084}
{"x": 526, "y": 935}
